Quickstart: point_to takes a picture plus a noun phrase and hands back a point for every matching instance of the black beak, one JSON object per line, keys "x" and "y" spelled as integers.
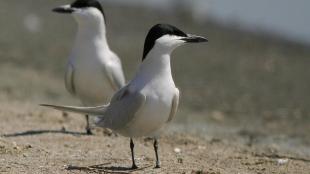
{"x": 63, "y": 9}
{"x": 194, "y": 39}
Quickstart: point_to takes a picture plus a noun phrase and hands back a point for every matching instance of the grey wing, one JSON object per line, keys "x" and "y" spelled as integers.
{"x": 115, "y": 74}
{"x": 123, "y": 108}
{"x": 69, "y": 79}
{"x": 174, "y": 105}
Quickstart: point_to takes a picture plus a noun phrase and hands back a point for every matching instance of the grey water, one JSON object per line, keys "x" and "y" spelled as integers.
{"x": 284, "y": 18}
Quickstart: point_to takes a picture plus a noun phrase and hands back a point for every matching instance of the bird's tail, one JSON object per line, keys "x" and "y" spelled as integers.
{"x": 94, "y": 111}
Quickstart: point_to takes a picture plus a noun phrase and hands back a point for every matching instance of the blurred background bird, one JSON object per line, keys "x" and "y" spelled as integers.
{"x": 94, "y": 72}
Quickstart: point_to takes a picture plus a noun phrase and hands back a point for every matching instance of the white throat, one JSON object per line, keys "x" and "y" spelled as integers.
{"x": 155, "y": 67}
{"x": 96, "y": 26}
{"x": 92, "y": 29}
{"x": 156, "y": 63}
{"x": 91, "y": 36}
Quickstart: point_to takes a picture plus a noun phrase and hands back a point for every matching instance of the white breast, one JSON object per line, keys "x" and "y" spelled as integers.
{"x": 90, "y": 81}
{"x": 155, "y": 112}
{"x": 157, "y": 85}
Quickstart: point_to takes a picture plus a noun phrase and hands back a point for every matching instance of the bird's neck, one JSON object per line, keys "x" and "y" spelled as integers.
{"x": 154, "y": 68}
{"x": 92, "y": 33}
{"x": 156, "y": 65}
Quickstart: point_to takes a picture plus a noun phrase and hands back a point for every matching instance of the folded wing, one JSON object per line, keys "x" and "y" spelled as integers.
{"x": 123, "y": 108}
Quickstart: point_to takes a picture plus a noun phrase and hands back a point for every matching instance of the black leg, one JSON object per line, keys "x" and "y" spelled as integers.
{"x": 134, "y": 166}
{"x": 88, "y": 129}
{"x": 156, "y": 153}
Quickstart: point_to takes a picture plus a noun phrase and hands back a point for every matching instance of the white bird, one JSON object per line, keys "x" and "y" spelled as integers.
{"x": 94, "y": 72}
{"x": 150, "y": 100}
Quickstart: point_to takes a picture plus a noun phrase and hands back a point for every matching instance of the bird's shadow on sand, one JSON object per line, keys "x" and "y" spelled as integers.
{"x": 40, "y": 132}
{"x": 106, "y": 168}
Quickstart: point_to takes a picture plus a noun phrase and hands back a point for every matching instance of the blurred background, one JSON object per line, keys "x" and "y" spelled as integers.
{"x": 249, "y": 83}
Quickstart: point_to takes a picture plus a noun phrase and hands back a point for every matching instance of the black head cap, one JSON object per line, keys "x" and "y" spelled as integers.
{"x": 88, "y": 3}
{"x": 158, "y": 31}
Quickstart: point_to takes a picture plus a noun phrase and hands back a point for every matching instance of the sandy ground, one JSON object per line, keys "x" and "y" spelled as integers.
{"x": 39, "y": 140}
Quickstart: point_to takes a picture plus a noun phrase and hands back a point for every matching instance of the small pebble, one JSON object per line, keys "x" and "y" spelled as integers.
{"x": 202, "y": 147}
{"x": 282, "y": 161}
{"x": 177, "y": 150}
